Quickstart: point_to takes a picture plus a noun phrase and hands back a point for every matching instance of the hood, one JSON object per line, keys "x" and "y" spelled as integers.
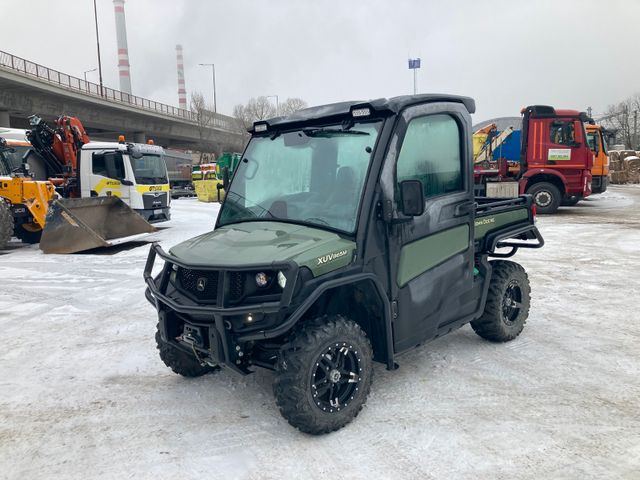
{"x": 253, "y": 243}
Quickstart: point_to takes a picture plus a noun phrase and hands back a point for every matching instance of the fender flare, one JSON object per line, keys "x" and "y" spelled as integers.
{"x": 531, "y": 174}
{"x": 293, "y": 319}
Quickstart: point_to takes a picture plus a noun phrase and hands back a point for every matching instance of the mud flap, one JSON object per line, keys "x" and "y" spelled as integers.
{"x": 77, "y": 224}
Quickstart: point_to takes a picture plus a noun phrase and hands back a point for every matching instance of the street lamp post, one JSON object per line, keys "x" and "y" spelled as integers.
{"x": 213, "y": 76}
{"x": 95, "y": 15}
{"x": 277, "y": 103}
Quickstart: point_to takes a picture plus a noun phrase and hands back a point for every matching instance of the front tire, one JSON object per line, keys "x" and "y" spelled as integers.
{"x": 546, "y": 196}
{"x": 508, "y": 302}
{"x": 6, "y": 223}
{"x": 28, "y": 234}
{"x": 324, "y": 374}
{"x": 180, "y": 362}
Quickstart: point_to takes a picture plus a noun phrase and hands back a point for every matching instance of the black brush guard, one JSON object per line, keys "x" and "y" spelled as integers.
{"x": 220, "y": 336}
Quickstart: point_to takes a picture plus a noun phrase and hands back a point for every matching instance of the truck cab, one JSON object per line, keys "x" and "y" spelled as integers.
{"x": 555, "y": 152}
{"x": 598, "y": 145}
{"x": 136, "y": 173}
{"x": 554, "y": 165}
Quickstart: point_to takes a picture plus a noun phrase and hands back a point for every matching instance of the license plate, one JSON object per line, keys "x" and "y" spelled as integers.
{"x": 157, "y": 211}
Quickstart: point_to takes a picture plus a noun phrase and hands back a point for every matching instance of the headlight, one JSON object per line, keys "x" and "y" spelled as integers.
{"x": 262, "y": 279}
{"x": 282, "y": 280}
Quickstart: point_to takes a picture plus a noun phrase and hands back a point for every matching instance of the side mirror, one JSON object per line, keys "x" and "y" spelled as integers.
{"x": 412, "y": 198}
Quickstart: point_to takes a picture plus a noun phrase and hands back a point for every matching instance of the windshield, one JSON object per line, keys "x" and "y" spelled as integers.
{"x": 592, "y": 140}
{"x": 15, "y": 157}
{"x": 605, "y": 147}
{"x": 149, "y": 169}
{"x": 5, "y": 166}
{"x": 312, "y": 175}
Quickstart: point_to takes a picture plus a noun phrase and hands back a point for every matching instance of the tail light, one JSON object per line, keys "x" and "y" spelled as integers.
{"x": 533, "y": 211}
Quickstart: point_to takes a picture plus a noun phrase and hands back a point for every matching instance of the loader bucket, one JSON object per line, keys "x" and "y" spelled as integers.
{"x": 76, "y": 224}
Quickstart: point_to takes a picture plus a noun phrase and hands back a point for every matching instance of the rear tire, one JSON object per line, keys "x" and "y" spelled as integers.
{"x": 508, "y": 302}
{"x": 546, "y": 196}
{"x": 323, "y": 374}
{"x": 27, "y": 236}
{"x": 6, "y": 223}
{"x": 180, "y": 362}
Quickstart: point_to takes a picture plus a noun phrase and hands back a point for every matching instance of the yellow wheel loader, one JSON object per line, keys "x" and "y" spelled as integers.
{"x": 31, "y": 211}
{"x": 23, "y": 201}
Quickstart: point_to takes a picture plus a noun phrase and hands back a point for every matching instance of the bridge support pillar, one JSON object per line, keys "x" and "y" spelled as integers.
{"x": 139, "y": 137}
{"x": 4, "y": 119}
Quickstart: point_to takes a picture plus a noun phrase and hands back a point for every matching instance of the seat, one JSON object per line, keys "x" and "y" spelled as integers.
{"x": 344, "y": 188}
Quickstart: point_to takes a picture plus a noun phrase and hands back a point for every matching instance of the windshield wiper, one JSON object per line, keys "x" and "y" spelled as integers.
{"x": 330, "y": 132}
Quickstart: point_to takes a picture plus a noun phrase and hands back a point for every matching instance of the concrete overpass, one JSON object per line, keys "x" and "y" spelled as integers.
{"x": 27, "y": 88}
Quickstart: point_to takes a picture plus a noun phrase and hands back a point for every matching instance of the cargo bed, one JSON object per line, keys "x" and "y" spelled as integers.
{"x": 505, "y": 223}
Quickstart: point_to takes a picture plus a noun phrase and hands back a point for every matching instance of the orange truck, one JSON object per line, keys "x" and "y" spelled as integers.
{"x": 600, "y": 169}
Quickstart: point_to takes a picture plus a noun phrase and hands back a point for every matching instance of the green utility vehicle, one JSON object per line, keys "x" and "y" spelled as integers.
{"x": 349, "y": 234}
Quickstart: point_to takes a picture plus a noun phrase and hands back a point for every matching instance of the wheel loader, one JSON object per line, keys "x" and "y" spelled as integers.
{"x": 35, "y": 213}
{"x": 23, "y": 201}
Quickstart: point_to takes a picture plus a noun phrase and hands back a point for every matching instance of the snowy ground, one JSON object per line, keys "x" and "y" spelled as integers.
{"x": 84, "y": 395}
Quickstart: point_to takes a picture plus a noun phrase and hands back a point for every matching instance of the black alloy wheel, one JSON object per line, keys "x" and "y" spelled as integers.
{"x": 336, "y": 377}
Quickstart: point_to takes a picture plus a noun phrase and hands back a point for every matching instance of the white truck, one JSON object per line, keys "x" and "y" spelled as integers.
{"x": 136, "y": 173}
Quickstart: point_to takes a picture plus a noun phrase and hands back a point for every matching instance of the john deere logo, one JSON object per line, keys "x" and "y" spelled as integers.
{"x": 201, "y": 284}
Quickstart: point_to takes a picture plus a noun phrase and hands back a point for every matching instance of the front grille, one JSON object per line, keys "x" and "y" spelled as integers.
{"x": 155, "y": 200}
{"x": 236, "y": 286}
{"x": 199, "y": 284}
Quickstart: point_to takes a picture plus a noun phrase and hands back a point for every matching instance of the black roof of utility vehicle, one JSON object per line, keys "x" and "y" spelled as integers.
{"x": 391, "y": 105}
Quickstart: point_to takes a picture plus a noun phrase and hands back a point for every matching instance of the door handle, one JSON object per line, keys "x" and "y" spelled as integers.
{"x": 463, "y": 209}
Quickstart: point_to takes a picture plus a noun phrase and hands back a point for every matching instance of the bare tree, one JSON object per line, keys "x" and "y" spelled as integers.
{"x": 261, "y": 108}
{"x": 291, "y": 105}
{"x": 203, "y": 116}
{"x": 243, "y": 118}
{"x": 623, "y": 118}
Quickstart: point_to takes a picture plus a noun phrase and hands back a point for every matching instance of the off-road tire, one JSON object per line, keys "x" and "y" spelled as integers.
{"x": 499, "y": 322}
{"x": 299, "y": 363}
{"x": 548, "y": 192}
{"x": 6, "y": 223}
{"x": 180, "y": 362}
{"x": 27, "y": 236}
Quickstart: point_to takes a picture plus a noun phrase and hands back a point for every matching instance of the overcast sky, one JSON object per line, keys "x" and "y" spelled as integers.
{"x": 504, "y": 53}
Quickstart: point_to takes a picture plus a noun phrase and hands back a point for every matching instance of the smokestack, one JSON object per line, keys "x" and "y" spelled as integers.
{"x": 182, "y": 92}
{"x": 123, "y": 51}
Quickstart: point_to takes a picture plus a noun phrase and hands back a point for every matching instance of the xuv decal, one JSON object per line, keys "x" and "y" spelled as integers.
{"x": 331, "y": 256}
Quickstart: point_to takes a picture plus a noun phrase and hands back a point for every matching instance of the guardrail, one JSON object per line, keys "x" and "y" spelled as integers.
{"x": 32, "y": 69}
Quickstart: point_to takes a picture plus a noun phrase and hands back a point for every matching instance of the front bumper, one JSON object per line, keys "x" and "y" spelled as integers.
{"x": 599, "y": 183}
{"x": 221, "y": 344}
{"x": 155, "y": 215}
